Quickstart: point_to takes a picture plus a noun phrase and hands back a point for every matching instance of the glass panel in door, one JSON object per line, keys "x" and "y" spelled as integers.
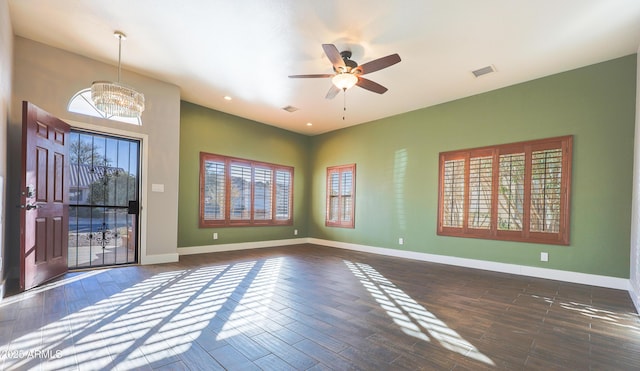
{"x": 104, "y": 195}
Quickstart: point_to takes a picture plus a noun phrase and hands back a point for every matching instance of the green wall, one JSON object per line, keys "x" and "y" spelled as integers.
{"x": 397, "y": 168}
{"x": 206, "y": 130}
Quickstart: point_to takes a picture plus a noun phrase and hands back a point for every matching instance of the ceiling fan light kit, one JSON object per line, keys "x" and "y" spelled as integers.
{"x": 344, "y": 81}
{"x": 348, "y": 73}
{"x": 114, "y": 98}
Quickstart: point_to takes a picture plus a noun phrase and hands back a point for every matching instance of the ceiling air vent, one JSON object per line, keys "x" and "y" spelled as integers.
{"x": 483, "y": 71}
{"x": 290, "y": 108}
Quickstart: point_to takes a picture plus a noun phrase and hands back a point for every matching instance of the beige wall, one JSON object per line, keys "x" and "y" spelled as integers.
{"x": 6, "y": 58}
{"x": 49, "y": 77}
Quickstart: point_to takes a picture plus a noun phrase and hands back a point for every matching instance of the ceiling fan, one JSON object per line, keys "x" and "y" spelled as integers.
{"x": 348, "y": 73}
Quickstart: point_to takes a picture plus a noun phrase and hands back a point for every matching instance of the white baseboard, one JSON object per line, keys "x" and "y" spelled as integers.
{"x": 552, "y": 274}
{"x": 634, "y": 292}
{"x": 239, "y": 246}
{"x": 159, "y": 259}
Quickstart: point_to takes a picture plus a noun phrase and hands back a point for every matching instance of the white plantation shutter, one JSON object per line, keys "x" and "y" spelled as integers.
{"x": 346, "y": 202}
{"x": 240, "y": 206}
{"x": 546, "y": 179}
{"x": 262, "y": 205}
{"x": 453, "y": 193}
{"x": 480, "y": 182}
{"x": 214, "y": 200}
{"x": 334, "y": 196}
{"x": 511, "y": 195}
{"x": 283, "y": 194}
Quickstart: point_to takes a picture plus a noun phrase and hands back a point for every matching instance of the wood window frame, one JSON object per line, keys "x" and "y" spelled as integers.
{"x": 341, "y": 220}
{"x": 563, "y": 144}
{"x": 226, "y": 219}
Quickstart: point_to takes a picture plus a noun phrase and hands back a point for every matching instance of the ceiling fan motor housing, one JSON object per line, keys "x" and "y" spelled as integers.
{"x": 350, "y": 64}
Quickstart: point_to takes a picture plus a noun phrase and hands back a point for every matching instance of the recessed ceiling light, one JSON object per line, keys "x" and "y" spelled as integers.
{"x": 309, "y": 124}
{"x": 226, "y": 97}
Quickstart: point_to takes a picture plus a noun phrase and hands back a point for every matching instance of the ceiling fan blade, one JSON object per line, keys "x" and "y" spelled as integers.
{"x": 371, "y": 86}
{"x": 380, "y": 63}
{"x": 334, "y": 56}
{"x": 333, "y": 91}
{"x": 320, "y": 75}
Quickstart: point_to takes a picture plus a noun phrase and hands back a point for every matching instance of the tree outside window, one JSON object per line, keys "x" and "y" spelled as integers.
{"x": 517, "y": 192}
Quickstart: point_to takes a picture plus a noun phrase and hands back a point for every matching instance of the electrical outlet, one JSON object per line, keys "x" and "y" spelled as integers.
{"x": 215, "y": 235}
{"x": 295, "y": 232}
{"x": 544, "y": 256}
{"x": 400, "y": 241}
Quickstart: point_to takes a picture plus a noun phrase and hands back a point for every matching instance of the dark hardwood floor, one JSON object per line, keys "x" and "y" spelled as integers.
{"x": 308, "y": 307}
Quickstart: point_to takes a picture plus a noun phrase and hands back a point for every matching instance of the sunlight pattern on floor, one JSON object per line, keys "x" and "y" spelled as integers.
{"x": 254, "y": 302}
{"x": 58, "y": 283}
{"x": 413, "y": 318}
{"x": 591, "y": 311}
{"x": 155, "y": 319}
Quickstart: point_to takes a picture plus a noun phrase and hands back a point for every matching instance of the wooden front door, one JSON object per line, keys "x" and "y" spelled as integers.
{"x": 44, "y": 197}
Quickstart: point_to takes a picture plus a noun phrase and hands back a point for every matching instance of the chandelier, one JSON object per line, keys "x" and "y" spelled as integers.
{"x": 114, "y": 98}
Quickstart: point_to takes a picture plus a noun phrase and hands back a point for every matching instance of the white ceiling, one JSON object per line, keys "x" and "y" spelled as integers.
{"x": 246, "y": 48}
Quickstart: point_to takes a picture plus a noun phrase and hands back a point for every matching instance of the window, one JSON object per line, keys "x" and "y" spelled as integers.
{"x": 341, "y": 196}
{"x": 238, "y": 192}
{"x": 81, "y": 103}
{"x": 515, "y": 192}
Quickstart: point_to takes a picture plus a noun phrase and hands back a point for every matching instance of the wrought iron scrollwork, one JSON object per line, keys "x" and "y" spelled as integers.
{"x": 102, "y": 235}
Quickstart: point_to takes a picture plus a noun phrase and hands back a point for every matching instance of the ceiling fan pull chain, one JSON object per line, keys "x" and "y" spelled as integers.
{"x": 344, "y": 104}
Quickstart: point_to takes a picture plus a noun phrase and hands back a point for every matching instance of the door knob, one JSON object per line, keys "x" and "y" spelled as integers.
{"x": 29, "y": 206}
